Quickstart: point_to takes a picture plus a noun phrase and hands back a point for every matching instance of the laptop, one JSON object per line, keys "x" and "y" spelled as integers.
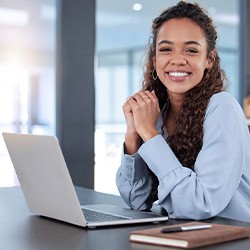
{"x": 49, "y": 190}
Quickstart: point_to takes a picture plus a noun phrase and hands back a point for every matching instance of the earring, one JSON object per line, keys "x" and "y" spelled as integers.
{"x": 154, "y": 74}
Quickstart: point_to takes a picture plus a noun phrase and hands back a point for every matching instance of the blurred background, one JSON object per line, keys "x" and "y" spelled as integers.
{"x": 28, "y": 40}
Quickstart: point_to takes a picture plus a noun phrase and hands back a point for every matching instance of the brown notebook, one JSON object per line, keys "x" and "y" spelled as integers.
{"x": 217, "y": 233}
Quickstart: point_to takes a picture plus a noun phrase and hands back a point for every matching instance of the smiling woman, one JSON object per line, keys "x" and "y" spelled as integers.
{"x": 122, "y": 34}
{"x": 187, "y": 144}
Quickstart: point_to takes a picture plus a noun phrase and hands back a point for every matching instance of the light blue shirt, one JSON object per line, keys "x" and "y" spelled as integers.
{"x": 219, "y": 185}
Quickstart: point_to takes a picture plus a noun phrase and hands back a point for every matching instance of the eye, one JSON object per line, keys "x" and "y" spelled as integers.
{"x": 192, "y": 51}
{"x": 165, "y": 49}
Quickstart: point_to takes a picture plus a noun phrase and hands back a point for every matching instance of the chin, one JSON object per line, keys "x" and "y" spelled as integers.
{"x": 178, "y": 91}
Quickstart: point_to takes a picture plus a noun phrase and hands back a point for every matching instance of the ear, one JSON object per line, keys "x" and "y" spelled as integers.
{"x": 210, "y": 59}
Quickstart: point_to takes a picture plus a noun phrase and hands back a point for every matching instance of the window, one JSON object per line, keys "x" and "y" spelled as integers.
{"x": 27, "y": 73}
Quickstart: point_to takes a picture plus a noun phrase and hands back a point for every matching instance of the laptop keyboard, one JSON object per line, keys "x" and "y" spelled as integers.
{"x": 95, "y": 216}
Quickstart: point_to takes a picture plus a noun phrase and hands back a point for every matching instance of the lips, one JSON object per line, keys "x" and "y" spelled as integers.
{"x": 178, "y": 76}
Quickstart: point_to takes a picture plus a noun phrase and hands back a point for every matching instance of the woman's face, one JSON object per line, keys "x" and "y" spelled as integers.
{"x": 181, "y": 56}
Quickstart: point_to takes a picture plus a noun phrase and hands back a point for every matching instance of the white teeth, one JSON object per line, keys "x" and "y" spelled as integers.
{"x": 178, "y": 74}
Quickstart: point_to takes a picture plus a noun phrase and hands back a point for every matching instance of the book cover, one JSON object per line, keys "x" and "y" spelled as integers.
{"x": 217, "y": 233}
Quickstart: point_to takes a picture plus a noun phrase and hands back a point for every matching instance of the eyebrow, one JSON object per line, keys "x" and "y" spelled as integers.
{"x": 187, "y": 43}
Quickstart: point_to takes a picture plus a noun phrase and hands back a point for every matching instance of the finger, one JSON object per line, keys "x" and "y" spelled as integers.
{"x": 144, "y": 96}
{"x": 126, "y": 108}
{"x": 138, "y": 97}
{"x": 132, "y": 102}
{"x": 151, "y": 95}
{"x": 128, "y": 102}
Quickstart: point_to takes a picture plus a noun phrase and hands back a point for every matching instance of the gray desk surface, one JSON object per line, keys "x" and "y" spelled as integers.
{"x": 19, "y": 229}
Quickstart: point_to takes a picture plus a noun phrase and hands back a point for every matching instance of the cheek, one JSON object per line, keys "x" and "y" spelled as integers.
{"x": 160, "y": 63}
{"x": 201, "y": 66}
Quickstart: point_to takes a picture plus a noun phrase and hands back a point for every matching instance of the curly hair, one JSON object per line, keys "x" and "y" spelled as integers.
{"x": 187, "y": 138}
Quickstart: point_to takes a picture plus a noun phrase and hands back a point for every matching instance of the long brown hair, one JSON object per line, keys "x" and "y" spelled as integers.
{"x": 187, "y": 138}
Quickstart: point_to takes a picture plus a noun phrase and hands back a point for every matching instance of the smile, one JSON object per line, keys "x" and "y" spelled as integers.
{"x": 178, "y": 74}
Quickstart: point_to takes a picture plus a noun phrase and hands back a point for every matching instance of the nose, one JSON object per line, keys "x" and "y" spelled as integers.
{"x": 178, "y": 60}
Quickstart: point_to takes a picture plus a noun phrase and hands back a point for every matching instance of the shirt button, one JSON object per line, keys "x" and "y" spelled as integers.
{"x": 129, "y": 176}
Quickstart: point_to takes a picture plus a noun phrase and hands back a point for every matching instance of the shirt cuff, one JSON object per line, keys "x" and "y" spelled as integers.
{"x": 133, "y": 167}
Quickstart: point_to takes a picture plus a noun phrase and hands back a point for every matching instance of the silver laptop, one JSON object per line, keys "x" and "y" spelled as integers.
{"x": 48, "y": 188}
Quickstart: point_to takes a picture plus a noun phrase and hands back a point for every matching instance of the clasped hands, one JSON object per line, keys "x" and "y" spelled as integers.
{"x": 141, "y": 112}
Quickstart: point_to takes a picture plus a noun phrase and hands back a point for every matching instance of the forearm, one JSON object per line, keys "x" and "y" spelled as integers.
{"x": 194, "y": 194}
{"x": 132, "y": 143}
{"x": 182, "y": 192}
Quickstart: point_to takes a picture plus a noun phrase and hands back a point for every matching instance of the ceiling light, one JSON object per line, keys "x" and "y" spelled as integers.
{"x": 137, "y": 7}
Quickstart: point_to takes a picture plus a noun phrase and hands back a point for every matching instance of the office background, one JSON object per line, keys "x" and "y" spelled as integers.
{"x": 66, "y": 67}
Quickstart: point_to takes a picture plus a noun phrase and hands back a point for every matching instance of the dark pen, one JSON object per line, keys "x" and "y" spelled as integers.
{"x": 183, "y": 228}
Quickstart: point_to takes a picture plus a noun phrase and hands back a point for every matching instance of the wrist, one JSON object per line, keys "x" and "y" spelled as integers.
{"x": 132, "y": 135}
{"x": 148, "y": 135}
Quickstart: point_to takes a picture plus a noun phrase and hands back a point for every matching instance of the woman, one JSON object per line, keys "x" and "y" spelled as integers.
{"x": 187, "y": 143}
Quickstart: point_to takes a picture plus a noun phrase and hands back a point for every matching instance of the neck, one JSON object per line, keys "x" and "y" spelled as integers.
{"x": 175, "y": 105}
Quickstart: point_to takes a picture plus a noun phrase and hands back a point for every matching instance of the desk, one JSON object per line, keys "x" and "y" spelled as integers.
{"x": 19, "y": 229}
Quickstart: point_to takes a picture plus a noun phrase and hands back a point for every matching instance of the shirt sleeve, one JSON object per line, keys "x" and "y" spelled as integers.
{"x": 206, "y": 191}
{"x": 133, "y": 182}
